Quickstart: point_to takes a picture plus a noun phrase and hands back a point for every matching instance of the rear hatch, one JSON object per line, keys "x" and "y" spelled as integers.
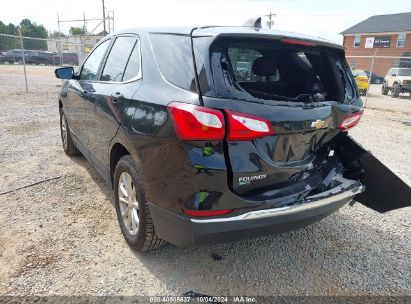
{"x": 284, "y": 100}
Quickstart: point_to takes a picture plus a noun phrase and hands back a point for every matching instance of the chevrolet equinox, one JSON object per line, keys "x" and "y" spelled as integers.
{"x": 213, "y": 134}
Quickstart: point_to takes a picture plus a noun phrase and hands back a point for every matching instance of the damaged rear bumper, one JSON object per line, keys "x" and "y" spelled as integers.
{"x": 184, "y": 231}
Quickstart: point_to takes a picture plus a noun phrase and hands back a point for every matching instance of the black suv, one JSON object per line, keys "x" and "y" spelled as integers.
{"x": 198, "y": 150}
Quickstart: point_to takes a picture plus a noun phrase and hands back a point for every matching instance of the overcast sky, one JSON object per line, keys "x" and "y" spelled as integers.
{"x": 315, "y": 17}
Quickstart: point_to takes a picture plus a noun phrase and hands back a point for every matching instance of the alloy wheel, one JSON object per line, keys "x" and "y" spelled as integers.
{"x": 64, "y": 131}
{"x": 128, "y": 203}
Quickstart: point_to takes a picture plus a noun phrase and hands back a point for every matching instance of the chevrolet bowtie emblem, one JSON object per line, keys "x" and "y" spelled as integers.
{"x": 318, "y": 124}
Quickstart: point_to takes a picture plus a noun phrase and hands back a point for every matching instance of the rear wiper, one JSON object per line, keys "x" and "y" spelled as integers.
{"x": 310, "y": 98}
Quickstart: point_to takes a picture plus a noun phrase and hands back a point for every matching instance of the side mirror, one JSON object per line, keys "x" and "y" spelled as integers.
{"x": 64, "y": 73}
{"x": 394, "y": 75}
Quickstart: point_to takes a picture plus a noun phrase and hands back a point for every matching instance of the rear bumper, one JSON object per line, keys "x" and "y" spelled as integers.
{"x": 183, "y": 231}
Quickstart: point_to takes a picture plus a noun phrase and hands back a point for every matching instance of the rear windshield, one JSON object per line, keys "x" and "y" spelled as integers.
{"x": 404, "y": 72}
{"x": 262, "y": 69}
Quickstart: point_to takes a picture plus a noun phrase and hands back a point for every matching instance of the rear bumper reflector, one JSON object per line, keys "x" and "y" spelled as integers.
{"x": 205, "y": 213}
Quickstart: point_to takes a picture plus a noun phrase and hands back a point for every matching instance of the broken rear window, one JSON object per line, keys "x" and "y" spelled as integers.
{"x": 266, "y": 69}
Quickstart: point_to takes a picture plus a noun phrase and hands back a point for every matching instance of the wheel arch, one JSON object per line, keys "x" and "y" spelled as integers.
{"x": 117, "y": 151}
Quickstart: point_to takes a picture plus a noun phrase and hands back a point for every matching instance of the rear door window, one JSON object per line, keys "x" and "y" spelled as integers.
{"x": 133, "y": 66}
{"x": 92, "y": 63}
{"x": 118, "y": 58}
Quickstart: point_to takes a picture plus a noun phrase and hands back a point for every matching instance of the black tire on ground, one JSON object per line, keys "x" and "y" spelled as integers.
{"x": 146, "y": 238}
{"x": 384, "y": 89}
{"x": 69, "y": 147}
{"x": 396, "y": 90}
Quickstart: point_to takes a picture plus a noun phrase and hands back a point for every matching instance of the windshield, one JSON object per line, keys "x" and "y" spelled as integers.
{"x": 404, "y": 72}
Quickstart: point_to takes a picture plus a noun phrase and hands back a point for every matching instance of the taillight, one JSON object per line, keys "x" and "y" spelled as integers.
{"x": 350, "y": 120}
{"x": 204, "y": 213}
{"x": 196, "y": 123}
{"x": 246, "y": 127}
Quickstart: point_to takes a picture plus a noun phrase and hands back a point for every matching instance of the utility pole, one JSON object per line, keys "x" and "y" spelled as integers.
{"x": 58, "y": 45}
{"x": 23, "y": 56}
{"x": 84, "y": 23}
{"x": 104, "y": 18}
{"x": 270, "y": 21}
{"x": 58, "y": 24}
{"x": 110, "y": 21}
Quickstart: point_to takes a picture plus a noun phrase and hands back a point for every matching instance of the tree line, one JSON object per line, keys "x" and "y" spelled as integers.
{"x": 33, "y": 30}
{"x": 28, "y": 29}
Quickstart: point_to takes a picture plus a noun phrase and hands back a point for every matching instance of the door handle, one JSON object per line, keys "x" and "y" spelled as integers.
{"x": 117, "y": 97}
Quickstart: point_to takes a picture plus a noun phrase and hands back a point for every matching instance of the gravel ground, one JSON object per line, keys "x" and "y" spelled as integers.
{"x": 62, "y": 238}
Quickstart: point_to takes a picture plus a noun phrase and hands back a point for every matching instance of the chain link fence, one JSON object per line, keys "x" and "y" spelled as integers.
{"x": 27, "y": 64}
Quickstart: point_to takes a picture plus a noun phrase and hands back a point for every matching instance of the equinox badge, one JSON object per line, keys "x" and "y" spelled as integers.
{"x": 248, "y": 179}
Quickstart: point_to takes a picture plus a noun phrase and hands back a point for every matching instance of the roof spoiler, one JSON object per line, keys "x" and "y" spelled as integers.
{"x": 253, "y": 22}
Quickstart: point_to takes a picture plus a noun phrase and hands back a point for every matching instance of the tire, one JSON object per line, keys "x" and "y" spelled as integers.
{"x": 396, "y": 90}
{"x": 140, "y": 235}
{"x": 384, "y": 89}
{"x": 68, "y": 145}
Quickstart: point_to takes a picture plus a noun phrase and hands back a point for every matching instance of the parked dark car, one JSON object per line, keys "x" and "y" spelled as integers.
{"x": 16, "y": 56}
{"x": 42, "y": 57}
{"x": 197, "y": 155}
{"x": 375, "y": 79}
{"x": 30, "y": 57}
{"x": 66, "y": 58}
